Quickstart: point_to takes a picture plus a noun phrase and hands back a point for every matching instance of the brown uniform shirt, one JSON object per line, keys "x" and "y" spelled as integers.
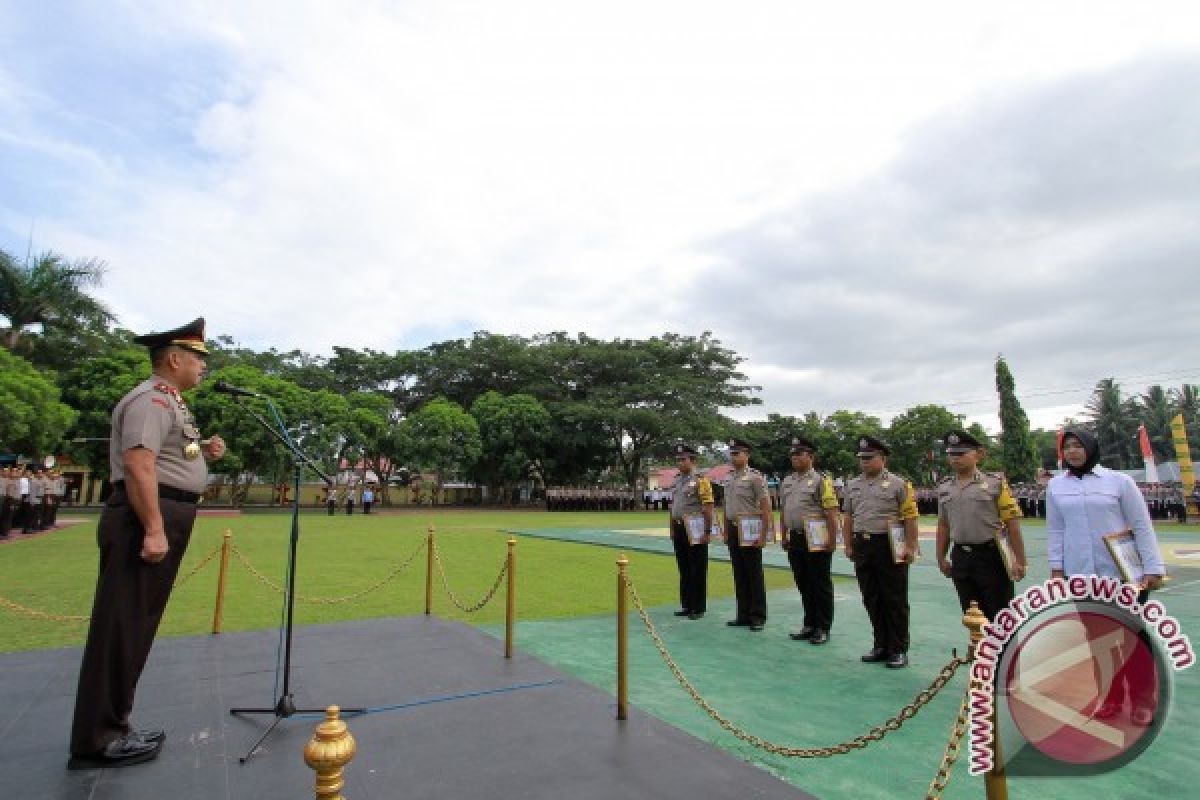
{"x": 876, "y": 501}
{"x": 744, "y": 493}
{"x": 976, "y": 512}
{"x": 153, "y": 417}
{"x": 805, "y": 496}
{"x": 689, "y": 495}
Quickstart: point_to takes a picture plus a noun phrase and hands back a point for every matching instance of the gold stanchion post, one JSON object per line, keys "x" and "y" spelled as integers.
{"x": 995, "y": 782}
{"x": 510, "y": 611}
{"x": 622, "y": 641}
{"x": 329, "y": 750}
{"x": 429, "y": 572}
{"x": 219, "y": 610}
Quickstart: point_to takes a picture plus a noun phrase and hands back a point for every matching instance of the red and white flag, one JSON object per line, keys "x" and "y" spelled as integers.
{"x": 1147, "y": 455}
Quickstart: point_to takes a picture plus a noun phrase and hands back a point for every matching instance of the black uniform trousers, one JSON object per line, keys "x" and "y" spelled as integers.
{"x": 978, "y": 573}
{"x": 330, "y": 506}
{"x": 25, "y": 512}
{"x": 8, "y": 508}
{"x": 748, "y": 582}
{"x": 811, "y": 572}
{"x": 884, "y": 587}
{"x": 131, "y": 596}
{"x": 692, "y": 560}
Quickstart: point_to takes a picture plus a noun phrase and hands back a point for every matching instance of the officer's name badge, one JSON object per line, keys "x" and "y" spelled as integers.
{"x": 885, "y": 484}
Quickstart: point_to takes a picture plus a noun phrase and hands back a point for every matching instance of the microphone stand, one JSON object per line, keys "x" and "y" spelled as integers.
{"x": 285, "y": 706}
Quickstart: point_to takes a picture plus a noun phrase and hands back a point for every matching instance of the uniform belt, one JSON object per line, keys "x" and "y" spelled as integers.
{"x": 167, "y": 493}
{"x": 870, "y": 533}
{"x": 973, "y": 545}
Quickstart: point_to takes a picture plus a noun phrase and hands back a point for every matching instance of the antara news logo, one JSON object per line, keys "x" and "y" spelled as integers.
{"x": 1074, "y": 678}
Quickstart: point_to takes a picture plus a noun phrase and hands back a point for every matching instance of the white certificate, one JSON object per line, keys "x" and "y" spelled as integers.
{"x": 694, "y": 523}
{"x": 750, "y": 530}
{"x": 817, "y": 533}
{"x": 1123, "y": 548}
{"x": 898, "y": 541}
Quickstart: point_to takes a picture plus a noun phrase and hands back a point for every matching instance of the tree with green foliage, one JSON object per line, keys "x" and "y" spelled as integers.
{"x": 839, "y": 443}
{"x": 1016, "y": 447}
{"x": 915, "y": 438}
{"x": 316, "y": 420}
{"x": 33, "y": 420}
{"x": 442, "y": 437}
{"x": 514, "y": 433}
{"x": 49, "y": 291}
{"x": 1155, "y": 410}
{"x": 93, "y": 387}
{"x": 1114, "y": 420}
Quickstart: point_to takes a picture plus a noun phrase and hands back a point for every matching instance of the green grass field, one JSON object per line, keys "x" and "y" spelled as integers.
{"x": 341, "y": 555}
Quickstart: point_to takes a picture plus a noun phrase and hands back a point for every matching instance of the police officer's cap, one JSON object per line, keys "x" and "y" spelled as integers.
{"x": 682, "y": 450}
{"x": 802, "y": 445}
{"x": 189, "y": 337}
{"x": 739, "y": 444}
{"x": 959, "y": 442}
{"x": 872, "y": 445}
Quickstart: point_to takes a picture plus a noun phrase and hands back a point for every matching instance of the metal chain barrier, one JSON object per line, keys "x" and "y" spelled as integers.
{"x": 487, "y": 598}
{"x": 36, "y": 614}
{"x": 857, "y": 743}
{"x": 941, "y": 779}
{"x": 245, "y": 562}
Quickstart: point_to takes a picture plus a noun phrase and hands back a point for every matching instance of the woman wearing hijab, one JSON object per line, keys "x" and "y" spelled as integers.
{"x": 1083, "y": 505}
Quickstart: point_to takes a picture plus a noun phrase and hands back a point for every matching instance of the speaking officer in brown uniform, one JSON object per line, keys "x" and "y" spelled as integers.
{"x": 873, "y": 500}
{"x": 158, "y": 469}
{"x": 691, "y": 494}
{"x": 972, "y": 508}
{"x": 746, "y": 494}
{"x": 806, "y": 495}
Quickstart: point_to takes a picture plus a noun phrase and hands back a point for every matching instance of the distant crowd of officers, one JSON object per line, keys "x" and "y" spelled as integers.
{"x": 31, "y": 498}
{"x": 579, "y": 498}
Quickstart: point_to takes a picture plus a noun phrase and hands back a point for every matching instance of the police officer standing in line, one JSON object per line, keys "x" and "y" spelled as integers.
{"x": 747, "y": 494}
{"x": 874, "y": 500}
{"x": 973, "y": 506}
{"x": 692, "y": 495}
{"x": 159, "y": 470}
{"x": 806, "y": 495}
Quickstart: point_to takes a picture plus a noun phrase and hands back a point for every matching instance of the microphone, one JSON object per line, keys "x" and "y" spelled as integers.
{"x": 225, "y": 388}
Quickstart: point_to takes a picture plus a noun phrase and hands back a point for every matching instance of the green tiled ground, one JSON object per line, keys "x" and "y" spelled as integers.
{"x": 792, "y": 693}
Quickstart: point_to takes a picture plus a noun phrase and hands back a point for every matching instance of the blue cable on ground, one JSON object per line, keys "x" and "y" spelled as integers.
{"x": 442, "y": 699}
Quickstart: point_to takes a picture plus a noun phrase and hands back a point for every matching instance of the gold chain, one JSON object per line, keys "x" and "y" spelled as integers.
{"x": 329, "y": 600}
{"x": 487, "y": 598}
{"x": 36, "y": 614}
{"x": 941, "y": 778}
{"x": 858, "y": 742}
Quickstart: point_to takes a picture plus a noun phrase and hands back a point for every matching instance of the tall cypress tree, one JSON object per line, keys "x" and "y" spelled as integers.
{"x": 1016, "y": 446}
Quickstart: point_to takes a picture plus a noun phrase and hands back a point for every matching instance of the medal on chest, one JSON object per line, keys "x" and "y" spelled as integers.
{"x": 191, "y": 434}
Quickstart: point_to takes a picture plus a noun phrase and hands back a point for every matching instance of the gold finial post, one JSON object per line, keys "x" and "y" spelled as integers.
{"x": 622, "y": 641}
{"x": 510, "y": 610}
{"x": 330, "y": 749}
{"x": 995, "y": 782}
{"x": 219, "y": 609}
{"x": 429, "y": 572}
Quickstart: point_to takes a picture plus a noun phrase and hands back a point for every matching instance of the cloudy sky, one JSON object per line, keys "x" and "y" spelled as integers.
{"x": 867, "y": 201}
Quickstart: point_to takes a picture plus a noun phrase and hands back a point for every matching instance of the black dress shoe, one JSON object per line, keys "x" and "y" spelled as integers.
{"x": 682, "y": 612}
{"x": 819, "y": 637}
{"x": 152, "y": 735}
{"x": 804, "y": 633}
{"x": 123, "y": 752}
{"x": 696, "y": 615}
{"x": 736, "y": 623}
{"x": 876, "y": 655}
{"x": 756, "y": 626}
{"x": 897, "y": 661}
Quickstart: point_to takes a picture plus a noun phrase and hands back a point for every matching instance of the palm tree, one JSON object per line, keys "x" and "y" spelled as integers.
{"x": 1155, "y": 410}
{"x": 1114, "y": 420}
{"x": 50, "y": 291}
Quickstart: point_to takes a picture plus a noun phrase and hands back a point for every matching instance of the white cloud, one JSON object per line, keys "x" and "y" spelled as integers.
{"x": 363, "y": 173}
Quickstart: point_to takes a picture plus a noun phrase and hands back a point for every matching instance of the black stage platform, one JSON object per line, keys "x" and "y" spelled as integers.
{"x": 466, "y": 724}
